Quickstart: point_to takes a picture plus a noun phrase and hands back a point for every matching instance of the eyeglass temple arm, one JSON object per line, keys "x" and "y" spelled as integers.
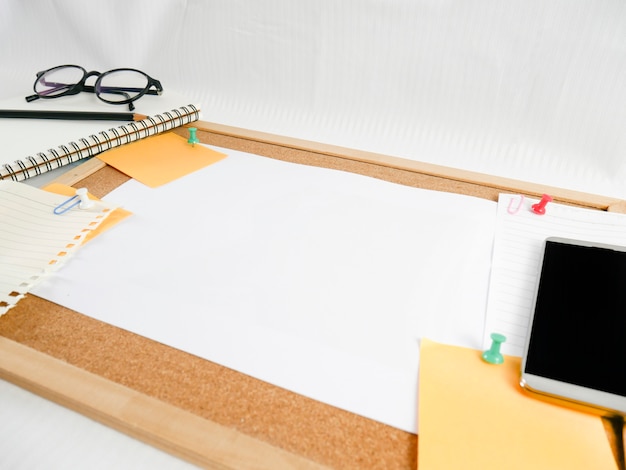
{"x": 122, "y": 90}
{"x": 57, "y": 86}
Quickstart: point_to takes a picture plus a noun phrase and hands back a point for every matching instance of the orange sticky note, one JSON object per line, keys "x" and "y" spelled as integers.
{"x": 474, "y": 415}
{"x": 115, "y": 217}
{"x": 159, "y": 159}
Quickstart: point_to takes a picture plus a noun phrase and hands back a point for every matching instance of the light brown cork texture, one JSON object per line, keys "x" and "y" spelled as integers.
{"x": 313, "y": 430}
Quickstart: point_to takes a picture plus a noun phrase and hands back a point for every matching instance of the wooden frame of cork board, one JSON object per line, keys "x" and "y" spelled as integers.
{"x": 201, "y": 411}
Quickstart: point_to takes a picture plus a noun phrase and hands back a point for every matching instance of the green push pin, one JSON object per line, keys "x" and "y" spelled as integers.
{"x": 493, "y": 355}
{"x": 193, "y": 139}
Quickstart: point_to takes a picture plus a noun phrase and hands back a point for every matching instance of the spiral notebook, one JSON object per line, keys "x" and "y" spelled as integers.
{"x": 30, "y": 163}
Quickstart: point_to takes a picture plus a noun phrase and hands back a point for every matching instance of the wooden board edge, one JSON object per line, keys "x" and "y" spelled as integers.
{"x": 174, "y": 430}
{"x": 80, "y": 172}
{"x": 579, "y": 198}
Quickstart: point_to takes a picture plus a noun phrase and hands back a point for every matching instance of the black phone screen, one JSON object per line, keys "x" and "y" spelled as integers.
{"x": 578, "y": 333}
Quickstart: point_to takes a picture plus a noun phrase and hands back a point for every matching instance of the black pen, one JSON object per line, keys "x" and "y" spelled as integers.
{"x": 70, "y": 115}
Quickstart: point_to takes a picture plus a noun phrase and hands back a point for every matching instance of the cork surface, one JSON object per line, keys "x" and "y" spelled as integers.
{"x": 286, "y": 420}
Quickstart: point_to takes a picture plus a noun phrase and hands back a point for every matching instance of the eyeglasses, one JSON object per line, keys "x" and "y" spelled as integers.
{"x": 118, "y": 86}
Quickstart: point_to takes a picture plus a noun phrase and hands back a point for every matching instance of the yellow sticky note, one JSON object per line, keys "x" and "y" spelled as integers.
{"x": 115, "y": 217}
{"x": 159, "y": 159}
{"x": 474, "y": 415}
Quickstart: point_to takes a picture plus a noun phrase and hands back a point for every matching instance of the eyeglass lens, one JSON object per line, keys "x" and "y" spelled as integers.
{"x": 58, "y": 80}
{"x": 122, "y": 85}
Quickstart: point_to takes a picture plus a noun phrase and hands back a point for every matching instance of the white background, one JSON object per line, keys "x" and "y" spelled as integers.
{"x": 520, "y": 88}
{"x": 527, "y": 89}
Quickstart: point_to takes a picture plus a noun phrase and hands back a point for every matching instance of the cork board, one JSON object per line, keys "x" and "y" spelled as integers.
{"x": 256, "y": 425}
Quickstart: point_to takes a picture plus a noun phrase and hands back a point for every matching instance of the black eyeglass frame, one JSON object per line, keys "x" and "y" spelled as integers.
{"x": 97, "y": 89}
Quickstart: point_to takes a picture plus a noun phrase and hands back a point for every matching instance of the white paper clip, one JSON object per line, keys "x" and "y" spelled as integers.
{"x": 81, "y": 199}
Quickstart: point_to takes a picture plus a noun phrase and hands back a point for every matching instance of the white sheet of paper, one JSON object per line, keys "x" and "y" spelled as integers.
{"x": 316, "y": 280}
{"x": 518, "y": 245}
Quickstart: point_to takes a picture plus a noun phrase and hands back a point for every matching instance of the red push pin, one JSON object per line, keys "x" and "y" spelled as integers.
{"x": 540, "y": 207}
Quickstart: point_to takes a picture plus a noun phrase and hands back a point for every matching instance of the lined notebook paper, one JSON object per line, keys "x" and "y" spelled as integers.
{"x": 93, "y": 144}
{"x": 519, "y": 241}
{"x": 33, "y": 240}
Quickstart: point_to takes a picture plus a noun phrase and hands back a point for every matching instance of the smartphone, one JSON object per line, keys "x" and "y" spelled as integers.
{"x": 575, "y": 351}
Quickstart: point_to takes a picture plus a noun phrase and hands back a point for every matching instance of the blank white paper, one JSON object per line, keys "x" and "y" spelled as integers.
{"x": 316, "y": 280}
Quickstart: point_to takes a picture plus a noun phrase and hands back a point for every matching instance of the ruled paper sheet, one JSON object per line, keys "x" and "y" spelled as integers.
{"x": 519, "y": 241}
{"x": 33, "y": 240}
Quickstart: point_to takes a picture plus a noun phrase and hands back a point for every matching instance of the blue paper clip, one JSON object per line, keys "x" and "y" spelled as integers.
{"x": 82, "y": 201}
